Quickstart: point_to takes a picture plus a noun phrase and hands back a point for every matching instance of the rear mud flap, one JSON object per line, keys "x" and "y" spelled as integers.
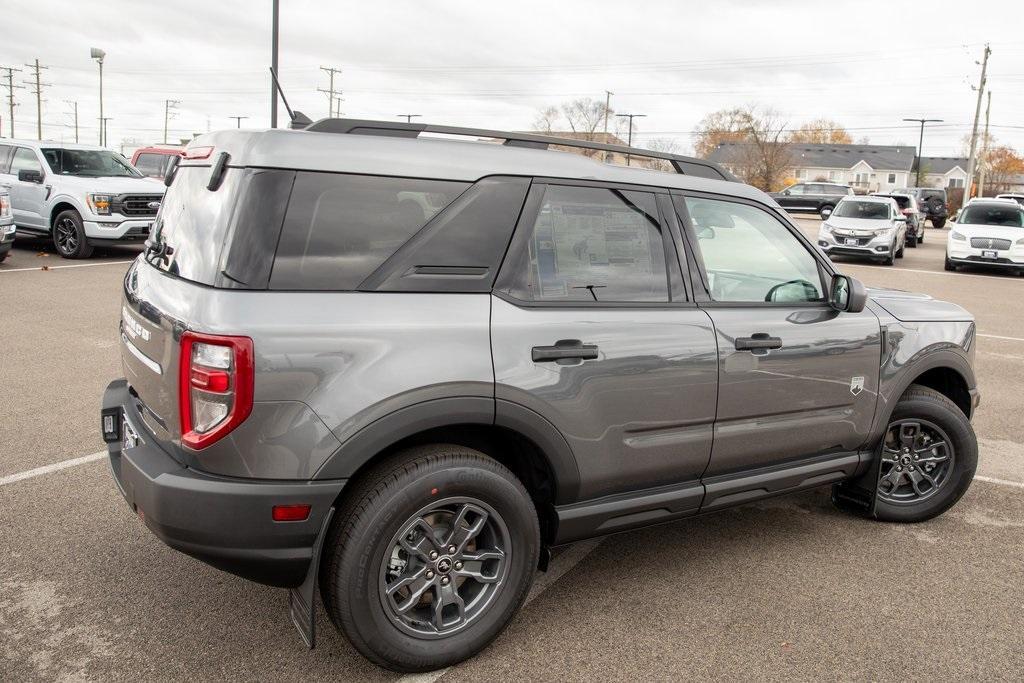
{"x": 858, "y": 496}
{"x": 302, "y": 600}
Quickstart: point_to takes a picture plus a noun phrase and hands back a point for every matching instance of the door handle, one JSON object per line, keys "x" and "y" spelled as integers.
{"x": 564, "y": 350}
{"x": 758, "y": 342}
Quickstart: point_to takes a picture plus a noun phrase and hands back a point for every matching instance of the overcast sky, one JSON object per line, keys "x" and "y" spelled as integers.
{"x": 865, "y": 64}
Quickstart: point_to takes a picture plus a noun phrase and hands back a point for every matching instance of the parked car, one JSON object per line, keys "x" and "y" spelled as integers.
{"x": 987, "y": 232}
{"x": 931, "y": 201}
{"x": 425, "y": 362}
{"x": 6, "y": 225}
{"x": 78, "y": 195}
{"x": 871, "y": 227}
{"x": 915, "y": 219}
{"x": 1019, "y": 198}
{"x": 819, "y": 198}
{"x": 154, "y": 162}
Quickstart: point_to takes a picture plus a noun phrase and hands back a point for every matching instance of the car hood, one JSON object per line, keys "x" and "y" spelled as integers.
{"x": 1004, "y": 232}
{"x": 69, "y": 183}
{"x": 859, "y": 223}
{"x": 914, "y": 307}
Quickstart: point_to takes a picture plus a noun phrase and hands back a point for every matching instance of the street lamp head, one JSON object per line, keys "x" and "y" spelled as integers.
{"x": 97, "y": 53}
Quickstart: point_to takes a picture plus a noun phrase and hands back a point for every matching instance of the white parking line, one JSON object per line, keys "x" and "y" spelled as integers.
{"x": 840, "y": 266}
{"x": 999, "y": 482}
{"x": 55, "y": 467}
{"x": 996, "y": 336}
{"x": 559, "y": 566}
{"x": 73, "y": 265}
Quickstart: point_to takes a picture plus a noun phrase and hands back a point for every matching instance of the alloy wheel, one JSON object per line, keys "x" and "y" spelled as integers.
{"x": 444, "y": 567}
{"x": 66, "y": 236}
{"x": 917, "y": 460}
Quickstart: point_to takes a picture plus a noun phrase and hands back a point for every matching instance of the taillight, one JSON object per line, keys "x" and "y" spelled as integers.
{"x": 198, "y": 152}
{"x": 215, "y": 386}
{"x": 906, "y": 212}
{"x": 5, "y": 206}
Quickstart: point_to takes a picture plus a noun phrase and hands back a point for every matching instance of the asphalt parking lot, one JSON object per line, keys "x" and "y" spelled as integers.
{"x": 785, "y": 589}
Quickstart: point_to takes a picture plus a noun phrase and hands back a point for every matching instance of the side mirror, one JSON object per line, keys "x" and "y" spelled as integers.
{"x": 27, "y": 175}
{"x": 786, "y": 192}
{"x": 706, "y": 234}
{"x": 847, "y": 294}
{"x": 900, "y": 218}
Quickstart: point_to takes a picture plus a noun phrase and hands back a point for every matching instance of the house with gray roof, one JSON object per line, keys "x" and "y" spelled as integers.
{"x": 866, "y": 168}
{"x": 942, "y": 171}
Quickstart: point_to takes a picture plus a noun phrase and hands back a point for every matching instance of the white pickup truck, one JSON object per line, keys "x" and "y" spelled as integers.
{"x": 80, "y": 196}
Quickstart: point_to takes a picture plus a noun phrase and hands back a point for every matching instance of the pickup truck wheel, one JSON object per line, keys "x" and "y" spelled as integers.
{"x": 69, "y": 235}
{"x": 431, "y": 555}
{"x": 825, "y": 211}
{"x": 938, "y": 222}
{"x": 929, "y": 455}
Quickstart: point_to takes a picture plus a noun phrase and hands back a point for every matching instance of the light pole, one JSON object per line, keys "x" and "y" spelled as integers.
{"x": 98, "y": 55}
{"x": 273, "y": 65}
{"x": 409, "y": 117}
{"x": 238, "y": 120}
{"x": 920, "y": 144}
{"x": 629, "y": 139}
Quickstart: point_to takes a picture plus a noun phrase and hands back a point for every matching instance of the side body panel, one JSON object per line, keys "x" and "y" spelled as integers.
{"x": 641, "y": 414}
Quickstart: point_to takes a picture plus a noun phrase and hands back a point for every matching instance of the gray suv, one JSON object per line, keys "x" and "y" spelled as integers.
{"x": 391, "y": 371}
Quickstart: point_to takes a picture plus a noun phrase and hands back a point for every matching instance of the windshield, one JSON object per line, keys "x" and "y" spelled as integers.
{"x": 1008, "y": 216}
{"x": 869, "y": 210}
{"x": 89, "y": 163}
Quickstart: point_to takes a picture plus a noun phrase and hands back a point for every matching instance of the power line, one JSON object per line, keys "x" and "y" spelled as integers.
{"x": 238, "y": 120}
{"x": 409, "y": 117}
{"x": 974, "y": 130}
{"x": 169, "y": 105}
{"x": 330, "y": 89}
{"x": 10, "y": 92}
{"x": 74, "y": 106}
{"x": 39, "y": 95}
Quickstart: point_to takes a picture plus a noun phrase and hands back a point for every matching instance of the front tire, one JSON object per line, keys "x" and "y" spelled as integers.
{"x": 929, "y": 456}
{"x": 825, "y": 211}
{"x": 431, "y": 555}
{"x": 69, "y": 236}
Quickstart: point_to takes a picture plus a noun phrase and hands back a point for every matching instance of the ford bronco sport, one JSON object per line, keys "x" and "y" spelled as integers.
{"x": 391, "y": 371}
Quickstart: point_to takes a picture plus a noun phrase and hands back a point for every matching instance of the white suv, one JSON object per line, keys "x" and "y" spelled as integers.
{"x": 79, "y": 195}
{"x": 987, "y": 232}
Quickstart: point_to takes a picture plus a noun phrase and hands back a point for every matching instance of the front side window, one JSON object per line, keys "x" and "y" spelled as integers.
{"x": 25, "y": 160}
{"x": 593, "y": 244}
{"x": 862, "y": 209}
{"x": 340, "y": 228}
{"x": 88, "y": 163}
{"x": 749, "y": 256}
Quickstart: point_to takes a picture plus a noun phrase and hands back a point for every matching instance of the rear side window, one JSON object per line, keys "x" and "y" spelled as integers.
{"x": 592, "y": 244}
{"x": 5, "y": 157}
{"x": 340, "y": 228}
{"x": 153, "y": 165}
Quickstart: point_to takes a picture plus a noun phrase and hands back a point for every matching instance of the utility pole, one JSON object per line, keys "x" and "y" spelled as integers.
{"x": 409, "y": 117}
{"x": 74, "y": 106}
{"x": 629, "y": 142}
{"x": 974, "y": 131}
{"x": 39, "y": 96}
{"x": 337, "y": 106}
{"x": 103, "y": 127}
{"x": 984, "y": 149}
{"x": 920, "y": 145}
{"x": 10, "y": 93}
{"x": 238, "y": 120}
{"x": 168, "y": 106}
{"x": 273, "y": 64}
{"x": 330, "y": 88}
{"x": 607, "y": 107}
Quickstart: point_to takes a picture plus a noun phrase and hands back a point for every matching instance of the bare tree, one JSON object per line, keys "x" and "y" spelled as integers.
{"x": 547, "y": 120}
{"x": 725, "y": 125}
{"x": 767, "y": 152}
{"x": 666, "y": 145}
{"x": 583, "y": 117}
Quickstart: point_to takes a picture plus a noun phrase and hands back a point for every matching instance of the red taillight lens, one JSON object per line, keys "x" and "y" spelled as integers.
{"x": 290, "y": 513}
{"x": 907, "y": 212}
{"x": 215, "y": 386}
{"x": 5, "y": 206}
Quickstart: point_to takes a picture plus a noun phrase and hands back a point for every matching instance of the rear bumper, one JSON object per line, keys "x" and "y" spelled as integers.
{"x": 225, "y": 522}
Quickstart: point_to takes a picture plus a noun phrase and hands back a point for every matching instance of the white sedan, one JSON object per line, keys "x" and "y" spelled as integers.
{"x": 988, "y": 232}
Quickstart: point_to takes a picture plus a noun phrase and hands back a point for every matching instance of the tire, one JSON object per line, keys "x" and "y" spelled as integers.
{"x": 920, "y": 234}
{"x": 825, "y": 211}
{"x": 934, "y": 414}
{"x": 366, "y": 551}
{"x": 890, "y": 260}
{"x": 3, "y": 256}
{"x": 903, "y": 248}
{"x": 949, "y": 265}
{"x": 912, "y": 242}
{"x": 939, "y": 223}
{"x": 69, "y": 235}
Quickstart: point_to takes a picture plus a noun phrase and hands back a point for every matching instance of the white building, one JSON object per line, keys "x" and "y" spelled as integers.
{"x": 946, "y": 172}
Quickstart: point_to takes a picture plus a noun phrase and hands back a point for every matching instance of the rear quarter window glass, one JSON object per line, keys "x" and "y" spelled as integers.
{"x": 340, "y": 228}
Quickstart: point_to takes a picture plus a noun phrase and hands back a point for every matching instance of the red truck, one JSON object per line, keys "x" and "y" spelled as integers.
{"x": 154, "y": 161}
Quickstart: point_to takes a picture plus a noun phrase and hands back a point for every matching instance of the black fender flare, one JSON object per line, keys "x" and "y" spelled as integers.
{"x": 400, "y": 424}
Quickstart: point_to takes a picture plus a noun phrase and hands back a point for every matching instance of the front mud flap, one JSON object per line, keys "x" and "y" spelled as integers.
{"x": 302, "y": 600}
{"x": 859, "y": 495}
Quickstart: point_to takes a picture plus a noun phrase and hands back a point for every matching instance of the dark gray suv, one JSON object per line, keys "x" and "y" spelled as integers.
{"x": 393, "y": 370}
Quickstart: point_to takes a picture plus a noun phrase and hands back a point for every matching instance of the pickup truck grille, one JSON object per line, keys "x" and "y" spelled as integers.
{"x": 137, "y": 204}
{"x": 989, "y": 243}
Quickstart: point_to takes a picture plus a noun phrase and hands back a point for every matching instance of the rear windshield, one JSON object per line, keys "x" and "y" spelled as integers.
{"x": 1008, "y": 216}
{"x": 190, "y": 227}
{"x": 855, "y": 209}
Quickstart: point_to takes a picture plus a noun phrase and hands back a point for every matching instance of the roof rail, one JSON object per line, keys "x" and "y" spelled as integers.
{"x": 681, "y": 164}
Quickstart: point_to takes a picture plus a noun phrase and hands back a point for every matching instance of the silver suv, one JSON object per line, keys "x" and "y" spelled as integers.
{"x": 79, "y": 196}
{"x": 396, "y": 369}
